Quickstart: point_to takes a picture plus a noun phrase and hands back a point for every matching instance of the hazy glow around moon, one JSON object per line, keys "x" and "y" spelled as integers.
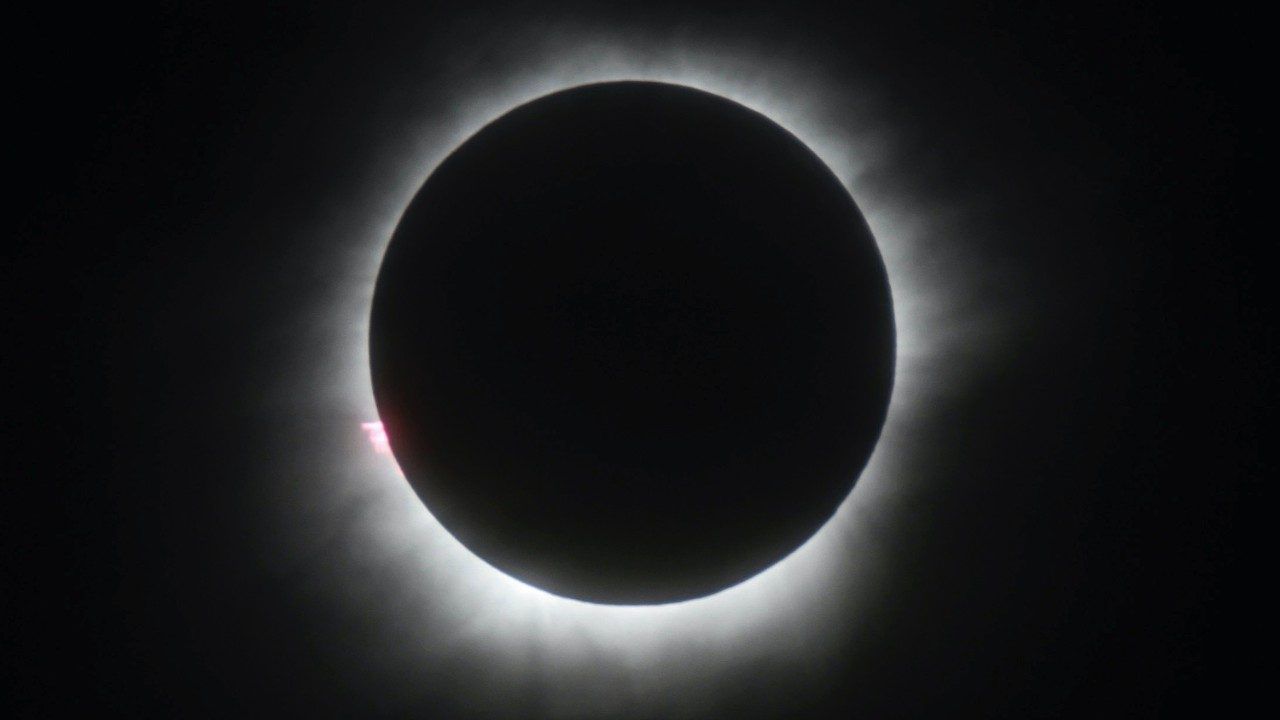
{"x": 361, "y": 541}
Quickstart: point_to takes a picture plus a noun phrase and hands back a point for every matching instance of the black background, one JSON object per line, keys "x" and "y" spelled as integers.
{"x": 1084, "y": 548}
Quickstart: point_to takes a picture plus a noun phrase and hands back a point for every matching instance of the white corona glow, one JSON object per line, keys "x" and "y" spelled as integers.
{"x": 429, "y": 602}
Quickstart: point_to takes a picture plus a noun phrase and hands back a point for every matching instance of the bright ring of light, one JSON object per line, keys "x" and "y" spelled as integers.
{"x": 431, "y": 604}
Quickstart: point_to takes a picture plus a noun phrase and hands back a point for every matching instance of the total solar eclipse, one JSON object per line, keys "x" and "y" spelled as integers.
{"x": 632, "y": 343}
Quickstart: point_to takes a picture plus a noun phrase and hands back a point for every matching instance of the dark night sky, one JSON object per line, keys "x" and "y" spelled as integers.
{"x": 1076, "y": 542}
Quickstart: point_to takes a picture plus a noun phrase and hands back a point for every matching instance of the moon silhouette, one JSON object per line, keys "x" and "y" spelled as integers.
{"x": 632, "y": 343}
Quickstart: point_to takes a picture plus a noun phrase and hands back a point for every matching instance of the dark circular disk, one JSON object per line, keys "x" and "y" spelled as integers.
{"x": 632, "y": 343}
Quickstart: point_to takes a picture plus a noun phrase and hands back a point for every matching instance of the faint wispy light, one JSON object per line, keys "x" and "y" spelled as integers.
{"x": 437, "y": 610}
